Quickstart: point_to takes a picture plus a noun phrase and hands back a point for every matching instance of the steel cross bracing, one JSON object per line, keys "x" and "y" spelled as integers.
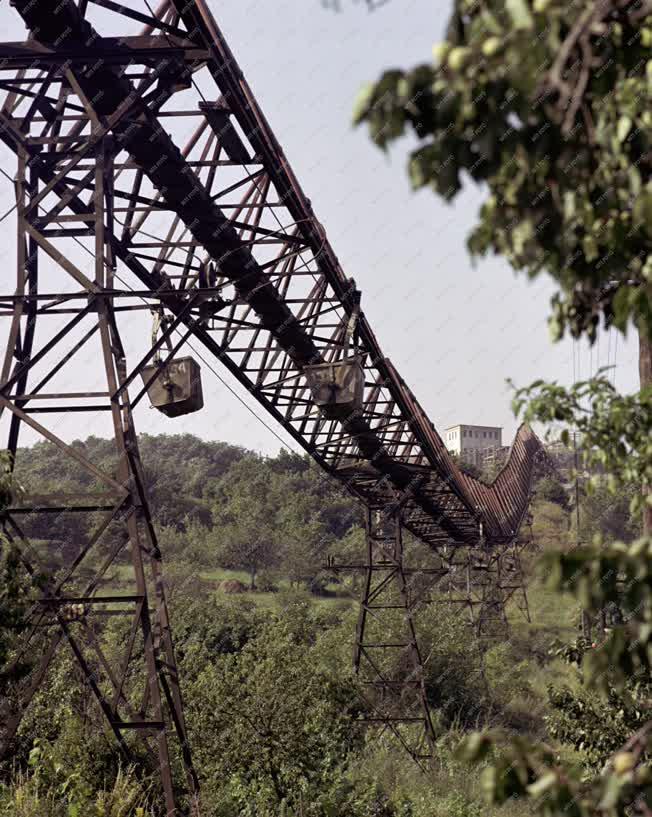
{"x": 137, "y": 688}
{"x": 220, "y": 189}
{"x": 146, "y": 152}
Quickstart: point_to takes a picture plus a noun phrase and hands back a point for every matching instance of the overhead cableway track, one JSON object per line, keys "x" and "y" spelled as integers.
{"x": 227, "y": 194}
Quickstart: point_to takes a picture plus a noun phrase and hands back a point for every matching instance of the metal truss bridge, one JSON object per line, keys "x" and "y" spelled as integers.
{"x": 146, "y": 177}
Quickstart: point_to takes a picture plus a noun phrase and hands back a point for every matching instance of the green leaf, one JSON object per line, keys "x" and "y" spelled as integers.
{"x": 590, "y": 247}
{"x": 420, "y": 167}
{"x": 543, "y": 784}
{"x": 643, "y": 209}
{"x": 623, "y": 128}
{"x": 612, "y": 792}
{"x": 519, "y": 11}
{"x": 474, "y": 748}
{"x": 569, "y": 204}
{"x": 458, "y": 57}
{"x": 363, "y": 103}
{"x": 490, "y": 22}
{"x": 522, "y": 233}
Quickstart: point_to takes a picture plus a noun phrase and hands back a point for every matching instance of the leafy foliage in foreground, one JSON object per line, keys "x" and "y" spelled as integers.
{"x": 593, "y": 725}
{"x": 560, "y": 139}
{"x": 547, "y": 104}
{"x": 617, "y": 574}
{"x": 271, "y": 706}
{"x": 49, "y": 792}
{"x": 614, "y": 428}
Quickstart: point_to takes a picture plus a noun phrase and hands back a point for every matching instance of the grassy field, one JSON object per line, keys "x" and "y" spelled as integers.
{"x": 119, "y": 579}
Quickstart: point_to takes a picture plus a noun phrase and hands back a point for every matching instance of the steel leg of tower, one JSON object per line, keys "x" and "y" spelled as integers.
{"x": 387, "y": 657}
{"x": 68, "y": 606}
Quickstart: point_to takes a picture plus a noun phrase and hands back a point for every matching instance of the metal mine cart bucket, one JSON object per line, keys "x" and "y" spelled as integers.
{"x": 177, "y": 388}
{"x": 337, "y": 388}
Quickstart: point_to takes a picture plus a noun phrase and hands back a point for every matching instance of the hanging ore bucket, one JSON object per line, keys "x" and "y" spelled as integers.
{"x": 173, "y": 385}
{"x": 337, "y": 388}
{"x": 176, "y": 389}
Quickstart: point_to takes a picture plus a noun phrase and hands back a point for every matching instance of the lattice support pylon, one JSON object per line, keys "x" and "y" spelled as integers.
{"x": 514, "y": 583}
{"x": 138, "y": 691}
{"x": 484, "y": 583}
{"x": 492, "y": 581}
{"x": 387, "y": 657}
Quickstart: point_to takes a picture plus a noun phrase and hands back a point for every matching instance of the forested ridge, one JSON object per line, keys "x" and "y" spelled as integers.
{"x": 214, "y": 504}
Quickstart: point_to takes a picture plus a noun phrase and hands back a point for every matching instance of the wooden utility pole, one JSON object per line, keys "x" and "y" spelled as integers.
{"x": 585, "y": 618}
{"x": 645, "y": 375}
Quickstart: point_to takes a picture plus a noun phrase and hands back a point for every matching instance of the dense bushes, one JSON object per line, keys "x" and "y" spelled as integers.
{"x": 48, "y": 791}
{"x": 271, "y": 705}
{"x": 272, "y": 723}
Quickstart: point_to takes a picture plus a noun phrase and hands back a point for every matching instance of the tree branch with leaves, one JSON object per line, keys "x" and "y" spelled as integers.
{"x": 546, "y": 105}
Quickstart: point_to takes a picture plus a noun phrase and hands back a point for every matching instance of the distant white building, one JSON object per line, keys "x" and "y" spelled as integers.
{"x": 461, "y": 439}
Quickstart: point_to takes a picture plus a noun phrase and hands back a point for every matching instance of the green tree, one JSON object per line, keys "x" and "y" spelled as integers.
{"x": 551, "y": 490}
{"x": 274, "y": 722}
{"x": 246, "y": 533}
{"x": 14, "y": 587}
{"x": 546, "y": 104}
{"x": 305, "y": 542}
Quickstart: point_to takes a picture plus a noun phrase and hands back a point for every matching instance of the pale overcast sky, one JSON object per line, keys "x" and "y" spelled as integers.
{"x": 455, "y": 332}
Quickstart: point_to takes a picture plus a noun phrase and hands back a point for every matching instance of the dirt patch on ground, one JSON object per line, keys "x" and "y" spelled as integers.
{"x": 232, "y": 586}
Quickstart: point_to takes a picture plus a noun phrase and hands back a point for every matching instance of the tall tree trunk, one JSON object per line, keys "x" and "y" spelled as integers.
{"x": 253, "y": 572}
{"x": 645, "y": 374}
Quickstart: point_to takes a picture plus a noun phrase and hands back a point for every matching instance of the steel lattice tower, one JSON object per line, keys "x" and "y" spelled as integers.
{"x": 147, "y": 177}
